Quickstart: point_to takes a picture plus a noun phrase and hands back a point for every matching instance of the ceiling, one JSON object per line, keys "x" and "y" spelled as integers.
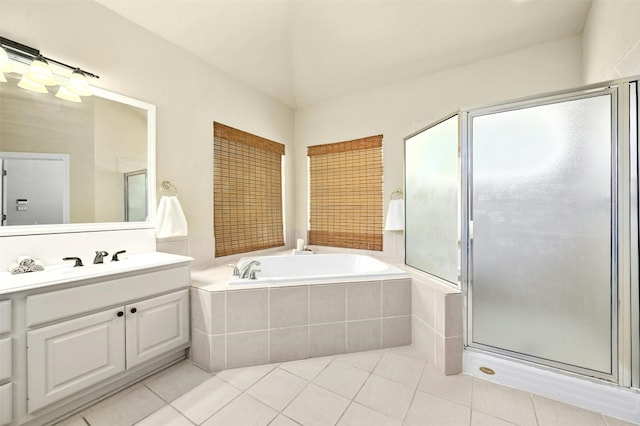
{"x": 304, "y": 51}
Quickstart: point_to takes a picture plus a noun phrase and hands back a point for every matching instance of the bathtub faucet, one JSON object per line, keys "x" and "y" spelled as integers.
{"x": 246, "y": 270}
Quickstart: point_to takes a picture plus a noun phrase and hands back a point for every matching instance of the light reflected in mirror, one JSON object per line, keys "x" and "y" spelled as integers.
{"x": 69, "y": 163}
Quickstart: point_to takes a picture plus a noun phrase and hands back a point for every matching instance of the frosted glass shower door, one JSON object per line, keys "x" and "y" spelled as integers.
{"x": 542, "y": 279}
{"x": 431, "y": 200}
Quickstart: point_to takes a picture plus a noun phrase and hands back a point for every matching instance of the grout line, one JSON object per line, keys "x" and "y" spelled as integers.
{"x": 269, "y": 290}
{"x": 309, "y": 320}
{"x": 415, "y": 392}
{"x": 533, "y": 407}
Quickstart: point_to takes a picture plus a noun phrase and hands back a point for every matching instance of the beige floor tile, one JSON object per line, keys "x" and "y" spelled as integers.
{"x": 505, "y": 403}
{"x": 363, "y": 360}
{"x": 176, "y": 380}
{"x": 427, "y": 409}
{"x": 124, "y": 408}
{"x": 610, "y": 421}
{"x": 359, "y": 415}
{"x": 342, "y": 379}
{"x": 307, "y": 368}
{"x": 244, "y": 410}
{"x": 404, "y": 370}
{"x": 555, "y": 413}
{"x": 385, "y": 396}
{"x": 452, "y": 388}
{"x": 205, "y": 399}
{"x": 316, "y": 406}
{"x": 166, "y": 416}
{"x": 277, "y": 389}
{"x": 479, "y": 418}
{"x": 408, "y": 351}
{"x": 283, "y": 420}
{"x": 244, "y": 377}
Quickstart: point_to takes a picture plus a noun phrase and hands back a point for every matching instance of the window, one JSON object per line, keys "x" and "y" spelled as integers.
{"x": 345, "y": 194}
{"x": 247, "y": 191}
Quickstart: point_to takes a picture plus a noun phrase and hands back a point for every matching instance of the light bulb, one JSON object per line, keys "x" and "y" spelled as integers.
{"x": 5, "y": 63}
{"x": 28, "y": 84}
{"x": 39, "y": 72}
{"x": 79, "y": 84}
{"x": 67, "y": 95}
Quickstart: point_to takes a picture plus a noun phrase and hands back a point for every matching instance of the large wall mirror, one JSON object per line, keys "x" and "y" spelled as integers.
{"x": 75, "y": 166}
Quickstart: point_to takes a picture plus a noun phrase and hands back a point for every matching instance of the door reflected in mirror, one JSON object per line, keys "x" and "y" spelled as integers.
{"x": 106, "y": 144}
{"x": 135, "y": 203}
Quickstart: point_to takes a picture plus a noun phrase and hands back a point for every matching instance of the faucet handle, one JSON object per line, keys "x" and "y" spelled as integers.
{"x": 236, "y": 271}
{"x": 114, "y": 258}
{"x": 252, "y": 275}
{"x": 77, "y": 259}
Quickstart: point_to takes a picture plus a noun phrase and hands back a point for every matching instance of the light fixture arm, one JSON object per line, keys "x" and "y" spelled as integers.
{"x": 21, "y": 51}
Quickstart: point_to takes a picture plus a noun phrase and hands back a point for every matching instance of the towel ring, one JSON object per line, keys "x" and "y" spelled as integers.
{"x": 167, "y": 187}
{"x": 397, "y": 194}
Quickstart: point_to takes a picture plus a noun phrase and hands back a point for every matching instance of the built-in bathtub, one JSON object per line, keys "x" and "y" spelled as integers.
{"x": 316, "y": 268}
{"x": 300, "y": 306}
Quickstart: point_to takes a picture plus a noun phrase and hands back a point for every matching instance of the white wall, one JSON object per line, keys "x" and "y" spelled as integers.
{"x": 397, "y": 109}
{"x": 611, "y": 40}
{"x": 189, "y": 94}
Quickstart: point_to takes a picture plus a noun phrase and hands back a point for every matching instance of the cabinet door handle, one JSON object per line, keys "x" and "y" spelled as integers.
{"x": 134, "y": 310}
{"x": 120, "y": 313}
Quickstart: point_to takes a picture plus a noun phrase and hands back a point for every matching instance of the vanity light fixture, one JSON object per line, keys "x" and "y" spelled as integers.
{"x": 5, "y": 65}
{"x": 40, "y": 74}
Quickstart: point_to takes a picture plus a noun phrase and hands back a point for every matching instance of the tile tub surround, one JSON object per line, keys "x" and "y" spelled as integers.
{"x": 237, "y": 327}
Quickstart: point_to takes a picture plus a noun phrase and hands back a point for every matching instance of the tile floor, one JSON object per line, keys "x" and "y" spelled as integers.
{"x": 386, "y": 387}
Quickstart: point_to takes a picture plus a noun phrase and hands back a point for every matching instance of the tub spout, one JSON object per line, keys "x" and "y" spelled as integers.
{"x": 246, "y": 270}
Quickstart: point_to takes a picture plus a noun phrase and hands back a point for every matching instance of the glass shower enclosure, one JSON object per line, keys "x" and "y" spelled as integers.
{"x": 542, "y": 264}
{"x": 541, "y": 235}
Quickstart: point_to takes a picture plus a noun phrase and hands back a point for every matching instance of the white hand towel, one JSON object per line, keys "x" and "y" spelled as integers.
{"x": 395, "y": 216}
{"x": 170, "y": 219}
{"x": 25, "y": 261}
{"x": 37, "y": 265}
{"x": 15, "y": 269}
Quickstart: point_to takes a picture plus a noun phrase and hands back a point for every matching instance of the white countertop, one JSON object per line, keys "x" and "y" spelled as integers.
{"x": 66, "y": 273}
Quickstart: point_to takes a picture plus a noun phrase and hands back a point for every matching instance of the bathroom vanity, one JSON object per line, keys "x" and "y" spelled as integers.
{"x": 69, "y": 336}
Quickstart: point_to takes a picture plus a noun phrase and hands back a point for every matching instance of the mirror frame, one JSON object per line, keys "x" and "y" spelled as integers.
{"x": 6, "y": 231}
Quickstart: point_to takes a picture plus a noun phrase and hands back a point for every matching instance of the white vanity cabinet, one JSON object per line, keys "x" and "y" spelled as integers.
{"x": 88, "y": 332}
{"x": 67, "y": 357}
{"x": 155, "y": 326}
{"x": 6, "y": 364}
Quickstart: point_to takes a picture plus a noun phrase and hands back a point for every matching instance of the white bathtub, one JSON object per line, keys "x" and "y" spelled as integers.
{"x": 317, "y": 268}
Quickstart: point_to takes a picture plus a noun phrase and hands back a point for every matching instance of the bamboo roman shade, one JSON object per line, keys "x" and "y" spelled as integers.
{"x": 345, "y": 194}
{"x": 247, "y": 191}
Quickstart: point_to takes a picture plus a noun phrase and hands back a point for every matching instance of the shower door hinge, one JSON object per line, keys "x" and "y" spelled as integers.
{"x": 470, "y": 230}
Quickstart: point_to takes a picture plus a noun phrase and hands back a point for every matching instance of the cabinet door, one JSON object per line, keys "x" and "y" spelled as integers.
{"x": 6, "y": 404}
{"x": 156, "y": 326}
{"x": 70, "y": 356}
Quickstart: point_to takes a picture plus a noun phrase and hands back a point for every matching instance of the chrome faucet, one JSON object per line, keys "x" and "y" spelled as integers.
{"x": 247, "y": 269}
{"x": 99, "y": 257}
